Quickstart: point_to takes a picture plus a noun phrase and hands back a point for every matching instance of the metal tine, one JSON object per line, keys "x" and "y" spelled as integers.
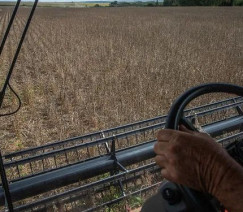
{"x": 98, "y": 147}
{"x": 136, "y": 135}
{"x": 12, "y": 172}
{"x": 132, "y": 127}
{"x": 144, "y": 135}
{"x": 125, "y": 179}
{"x": 75, "y": 203}
{"x": 128, "y": 141}
{"x": 65, "y": 153}
{"x": 54, "y": 158}
{"x": 102, "y": 135}
{"x": 153, "y": 131}
{"x": 88, "y": 152}
{"x": 76, "y": 150}
{"x": 43, "y": 165}
{"x": 31, "y": 168}
{"x": 17, "y": 166}
{"x": 123, "y": 193}
{"x": 238, "y": 108}
{"x": 107, "y": 147}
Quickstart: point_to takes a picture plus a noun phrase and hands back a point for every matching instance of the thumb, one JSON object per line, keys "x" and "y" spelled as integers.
{"x": 184, "y": 129}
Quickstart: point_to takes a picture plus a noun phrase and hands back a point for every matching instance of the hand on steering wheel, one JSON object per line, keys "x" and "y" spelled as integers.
{"x": 194, "y": 160}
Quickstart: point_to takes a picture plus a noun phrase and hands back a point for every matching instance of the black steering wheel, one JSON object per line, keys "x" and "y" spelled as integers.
{"x": 196, "y": 200}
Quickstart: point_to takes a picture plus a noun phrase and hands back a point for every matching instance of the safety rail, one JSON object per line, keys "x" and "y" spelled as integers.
{"x": 122, "y": 156}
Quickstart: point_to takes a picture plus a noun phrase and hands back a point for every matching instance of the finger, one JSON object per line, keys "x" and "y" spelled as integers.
{"x": 161, "y": 160}
{"x": 206, "y": 135}
{"x": 165, "y": 135}
{"x": 184, "y": 129}
{"x": 165, "y": 174}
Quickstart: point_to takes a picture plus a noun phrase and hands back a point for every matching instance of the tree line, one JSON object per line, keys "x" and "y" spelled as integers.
{"x": 203, "y": 3}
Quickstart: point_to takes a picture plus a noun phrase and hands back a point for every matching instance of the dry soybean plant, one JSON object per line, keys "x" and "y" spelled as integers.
{"x": 87, "y": 69}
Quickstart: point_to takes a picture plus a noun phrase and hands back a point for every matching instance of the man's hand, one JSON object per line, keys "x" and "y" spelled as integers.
{"x": 195, "y": 160}
{"x": 191, "y": 158}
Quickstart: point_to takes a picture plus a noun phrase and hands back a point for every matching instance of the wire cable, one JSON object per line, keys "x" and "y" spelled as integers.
{"x": 19, "y": 102}
{"x": 9, "y": 26}
{"x": 6, "y": 83}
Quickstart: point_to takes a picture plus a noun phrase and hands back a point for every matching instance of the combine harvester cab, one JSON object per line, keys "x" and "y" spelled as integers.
{"x": 113, "y": 168}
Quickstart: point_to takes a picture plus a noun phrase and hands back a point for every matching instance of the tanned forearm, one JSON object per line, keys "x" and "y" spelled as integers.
{"x": 230, "y": 190}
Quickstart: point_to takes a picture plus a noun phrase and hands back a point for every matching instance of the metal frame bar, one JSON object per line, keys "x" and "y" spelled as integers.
{"x": 7, "y": 194}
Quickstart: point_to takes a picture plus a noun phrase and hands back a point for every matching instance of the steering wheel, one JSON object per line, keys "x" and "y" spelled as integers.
{"x": 176, "y": 197}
